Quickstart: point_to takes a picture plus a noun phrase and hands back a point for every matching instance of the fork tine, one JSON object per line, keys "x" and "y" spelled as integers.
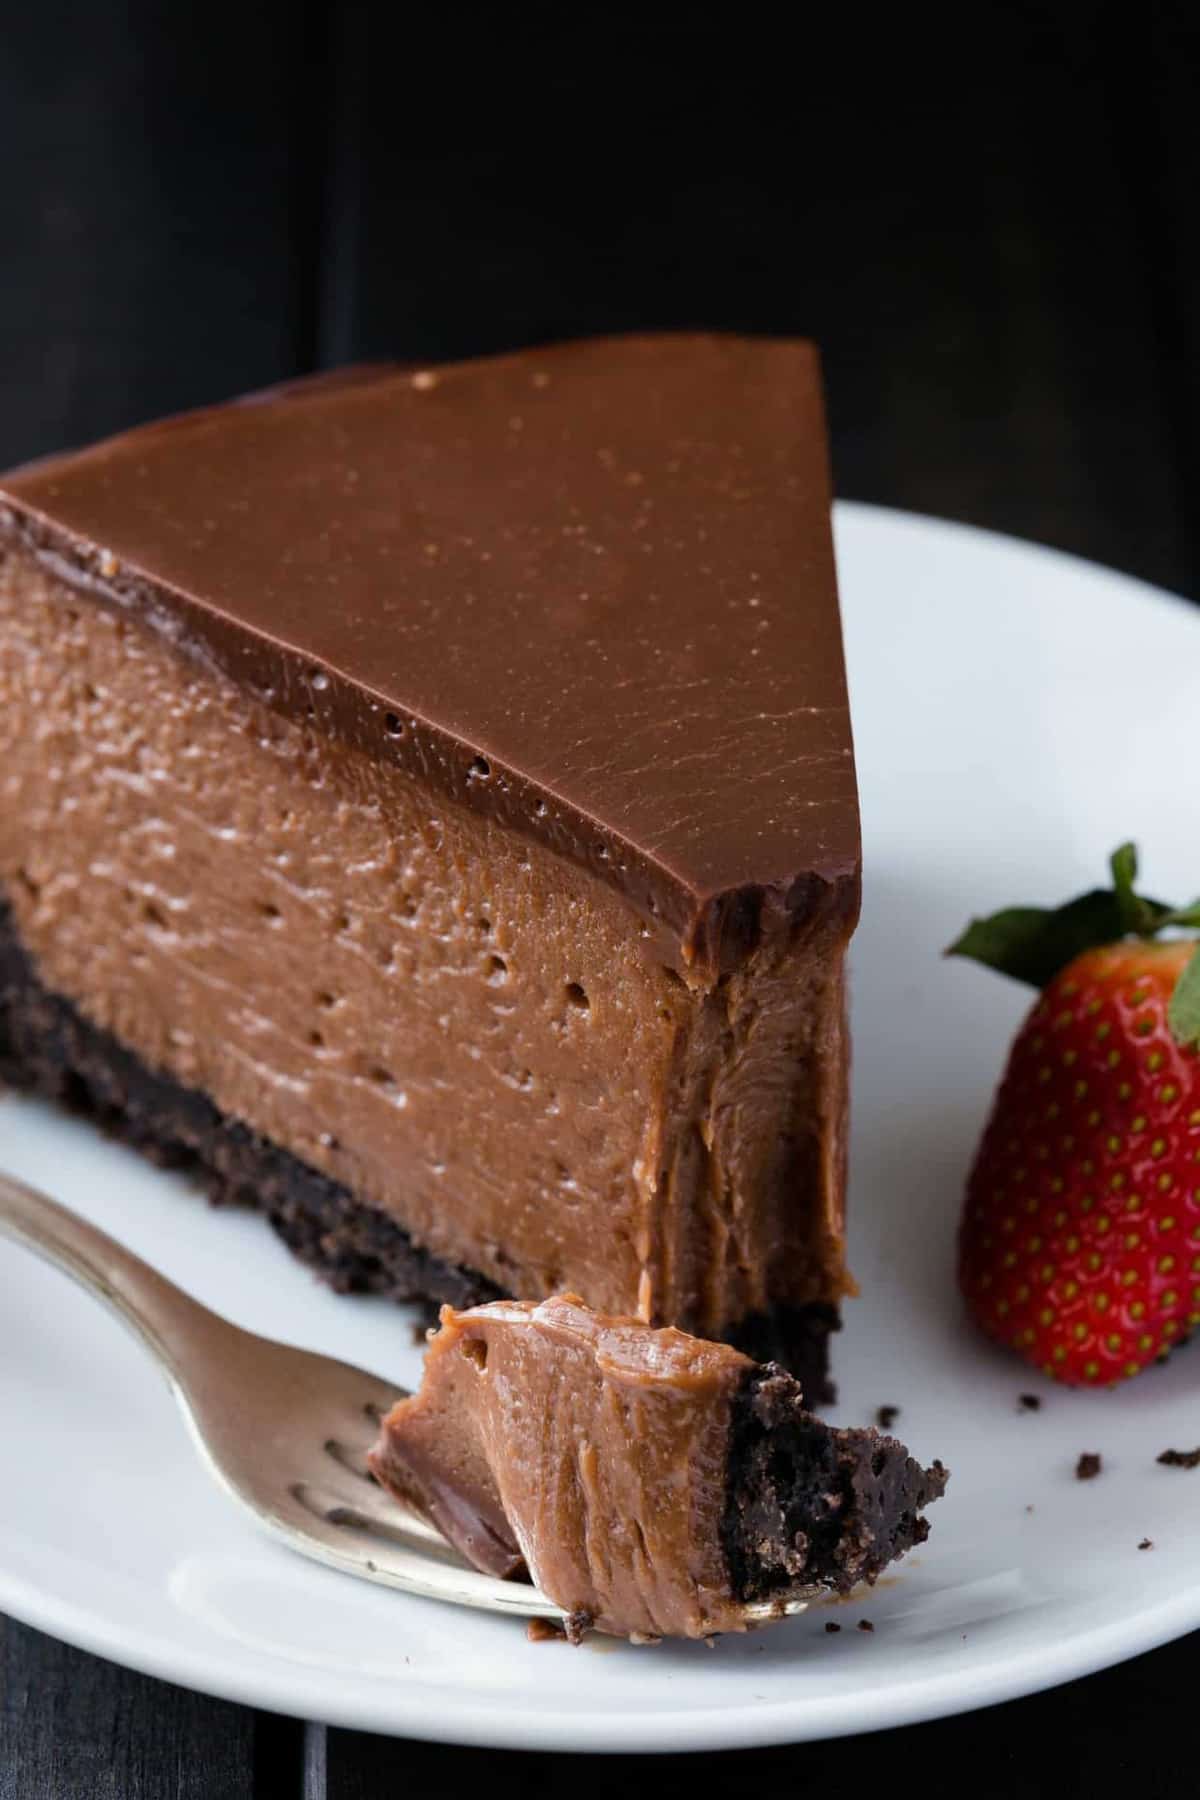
{"x": 401, "y": 1556}
{"x": 369, "y": 1507}
{"x": 351, "y": 1459}
{"x": 344, "y": 1479}
{"x": 379, "y": 1514}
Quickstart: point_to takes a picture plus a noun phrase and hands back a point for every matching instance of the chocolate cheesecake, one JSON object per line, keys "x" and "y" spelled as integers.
{"x": 650, "y": 1484}
{"x": 427, "y": 812}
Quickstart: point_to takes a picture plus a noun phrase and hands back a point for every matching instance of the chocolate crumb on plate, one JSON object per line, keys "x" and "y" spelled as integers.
{"x": 544, "y": 1631}
{"x": 1146, "y": 1544}
{"x": 1088, "y": 1466}
{"x": 886, "y": 1417}
{"x": 1180, "y": 1459}
{"x": 865, "y": 1625}
{"x": 1029, "y": 1402}
{"x": 831, "y": 1625}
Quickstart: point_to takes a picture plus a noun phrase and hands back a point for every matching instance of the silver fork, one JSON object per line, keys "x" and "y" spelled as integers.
{"x": 284, "y": 1431}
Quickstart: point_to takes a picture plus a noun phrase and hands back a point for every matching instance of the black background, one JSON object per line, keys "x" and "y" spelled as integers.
{"x": 988, "y": 223}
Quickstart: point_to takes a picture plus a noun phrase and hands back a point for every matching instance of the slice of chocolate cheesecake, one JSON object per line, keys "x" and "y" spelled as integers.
{"x": 427, "y": 810}
{"x": 650, "y": 1484}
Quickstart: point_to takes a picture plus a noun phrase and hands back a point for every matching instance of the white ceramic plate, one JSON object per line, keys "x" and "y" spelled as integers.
{"x": 1017, "y": 714}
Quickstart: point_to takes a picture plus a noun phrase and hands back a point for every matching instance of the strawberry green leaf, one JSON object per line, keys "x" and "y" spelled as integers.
{"x": 1032, "y": 943}
{"x": 1142, "y": 917}
{"x": 1183, "y": 1013}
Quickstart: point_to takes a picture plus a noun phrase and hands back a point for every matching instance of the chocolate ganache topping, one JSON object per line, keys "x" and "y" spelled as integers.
{"x": 435, "y": 566}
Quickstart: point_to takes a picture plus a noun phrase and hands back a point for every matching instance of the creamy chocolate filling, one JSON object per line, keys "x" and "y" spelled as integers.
{"x": 466, "y": 1030}
{"x": 583, "y": 1449}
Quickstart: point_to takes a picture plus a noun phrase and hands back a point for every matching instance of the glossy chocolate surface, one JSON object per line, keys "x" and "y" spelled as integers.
{"x": 587, "y": 590}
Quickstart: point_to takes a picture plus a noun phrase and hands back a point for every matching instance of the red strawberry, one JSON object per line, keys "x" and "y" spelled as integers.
{"x": 1080, "y": 1241}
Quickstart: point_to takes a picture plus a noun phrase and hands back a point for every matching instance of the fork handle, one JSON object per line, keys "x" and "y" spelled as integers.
{"x": 165, "y": 1318}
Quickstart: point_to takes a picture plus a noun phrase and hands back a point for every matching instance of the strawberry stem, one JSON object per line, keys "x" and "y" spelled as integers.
{"x": 1137, "y": 915}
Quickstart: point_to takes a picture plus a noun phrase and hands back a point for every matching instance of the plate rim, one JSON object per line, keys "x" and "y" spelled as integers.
{"x": 743, "y": 1726}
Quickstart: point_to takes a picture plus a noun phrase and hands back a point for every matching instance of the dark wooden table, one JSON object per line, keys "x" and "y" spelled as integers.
{"x": 999, "y": 257}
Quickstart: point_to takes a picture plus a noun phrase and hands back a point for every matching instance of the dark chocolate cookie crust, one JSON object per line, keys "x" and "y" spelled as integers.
{"x": 807, "y": 1503}
{"x": 47, "y": 1047}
